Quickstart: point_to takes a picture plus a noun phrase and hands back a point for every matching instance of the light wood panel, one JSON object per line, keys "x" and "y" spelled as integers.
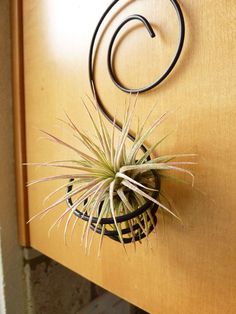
{"x": 191, "y": 267}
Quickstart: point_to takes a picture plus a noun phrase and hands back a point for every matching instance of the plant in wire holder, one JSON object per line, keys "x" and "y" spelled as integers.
{"x": 115, "y": 187}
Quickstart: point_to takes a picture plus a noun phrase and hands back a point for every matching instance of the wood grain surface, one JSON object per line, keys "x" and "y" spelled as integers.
{"x": 19, "y": 120}
{"x": 191, "y": 267}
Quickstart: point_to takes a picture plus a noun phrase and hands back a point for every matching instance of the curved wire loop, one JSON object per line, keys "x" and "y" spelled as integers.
{"x": 137, "y": 229}
{"x": 109, "y": 61}
{"x": 152, "y": 35}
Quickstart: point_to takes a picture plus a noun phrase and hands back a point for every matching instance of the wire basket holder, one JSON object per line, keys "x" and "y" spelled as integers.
{"x": 137, "y": 229}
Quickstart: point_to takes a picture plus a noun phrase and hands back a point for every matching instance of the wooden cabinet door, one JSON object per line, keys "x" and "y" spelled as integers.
{"x": 191, "y": 267}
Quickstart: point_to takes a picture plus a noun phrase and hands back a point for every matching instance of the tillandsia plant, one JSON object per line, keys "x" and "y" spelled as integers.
{"x": 115, "y": 187}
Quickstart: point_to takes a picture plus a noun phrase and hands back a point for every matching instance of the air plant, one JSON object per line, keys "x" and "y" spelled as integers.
{"x": 116, "y": 178}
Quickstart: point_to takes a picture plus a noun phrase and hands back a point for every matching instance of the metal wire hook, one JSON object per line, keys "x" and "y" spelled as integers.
{"x": 139, "y": 232}
{"x": 152, "y": 34}
{"x": 109, "y": 61}
{"x": 114, "y": 79}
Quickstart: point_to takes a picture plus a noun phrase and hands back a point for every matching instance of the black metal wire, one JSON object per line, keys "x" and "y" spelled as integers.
{"x": 104, "y": 221}
{"x": 152, "y": 34}
{"x": 110, "y": 69}
{"x": 138, "y": 231}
